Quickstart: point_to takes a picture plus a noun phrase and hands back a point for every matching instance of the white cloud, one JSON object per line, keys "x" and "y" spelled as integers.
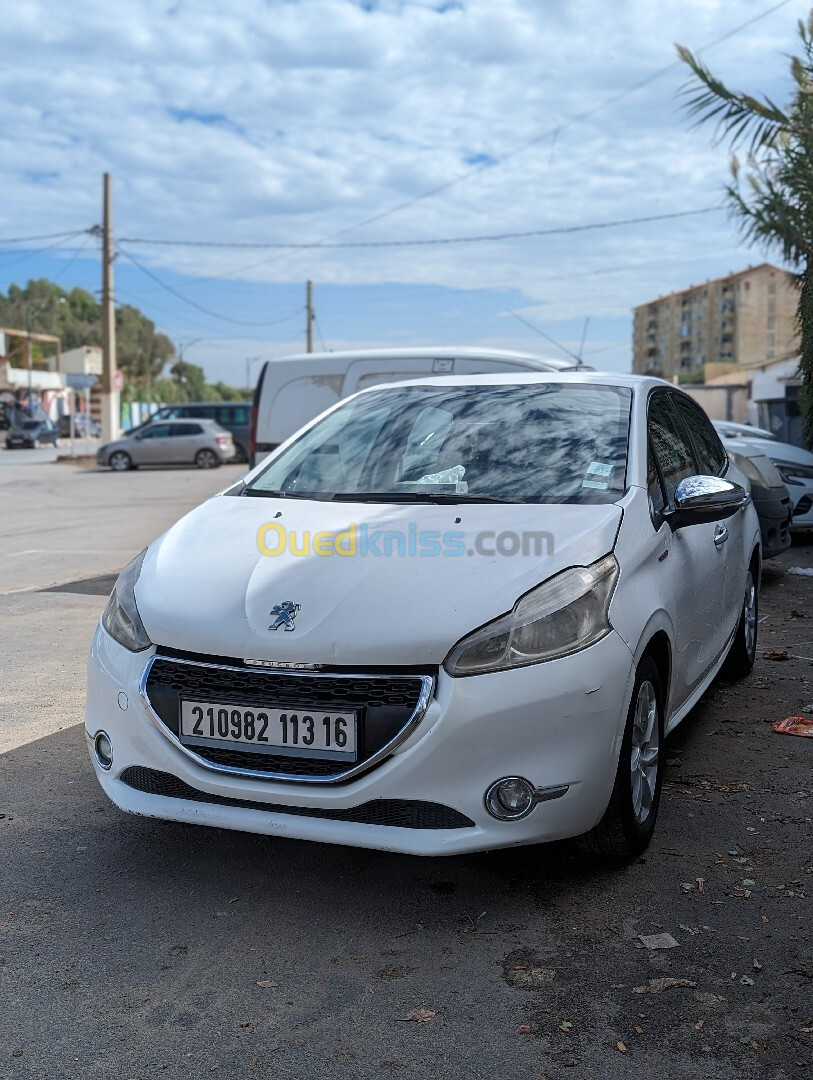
{"x": 293, "y": 120}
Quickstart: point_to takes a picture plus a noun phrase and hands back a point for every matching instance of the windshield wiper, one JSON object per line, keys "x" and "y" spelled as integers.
{"x": 415, "y": 496}
{"x": 265, "y": 493}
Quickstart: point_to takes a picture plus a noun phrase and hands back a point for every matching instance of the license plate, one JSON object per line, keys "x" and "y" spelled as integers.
{"x": 290, "y": 731}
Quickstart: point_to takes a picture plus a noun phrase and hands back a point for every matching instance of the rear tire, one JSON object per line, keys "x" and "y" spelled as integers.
{"x": 629, "y": 820}
{"x": 743, "y": 650}
{"x": 240, "y": 455}
{"x": 119, "y": 461}
{"x": 207, "y": 459}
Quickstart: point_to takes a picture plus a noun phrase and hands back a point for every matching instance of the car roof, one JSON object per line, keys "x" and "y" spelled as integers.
{"x": 207, "y": 404}
{"x": 187, "y": 420}
{"x": 441, "y": 352}
{"x": 743, "y": 431}
{"x": 637, "y": 383}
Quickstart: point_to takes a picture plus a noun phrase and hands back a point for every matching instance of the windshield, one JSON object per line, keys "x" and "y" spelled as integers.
{"x": 537, "y": 443}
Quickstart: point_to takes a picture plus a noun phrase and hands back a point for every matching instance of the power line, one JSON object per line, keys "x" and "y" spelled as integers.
{"x": 69, "y": 263}
{"x": 199, "y": 307}
{"x": 319, "y": 332}
{"x": 39, "y": 250}
{"x": 547, "y": 337}
{"x": 44, "y": 236}
{"x": 488, "y": 237}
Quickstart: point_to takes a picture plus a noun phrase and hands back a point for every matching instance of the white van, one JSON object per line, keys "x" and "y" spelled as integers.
{"x": 294, "y": 389}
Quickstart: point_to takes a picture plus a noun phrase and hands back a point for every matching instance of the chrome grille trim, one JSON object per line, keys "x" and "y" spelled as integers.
{"x": 424, "y": 698}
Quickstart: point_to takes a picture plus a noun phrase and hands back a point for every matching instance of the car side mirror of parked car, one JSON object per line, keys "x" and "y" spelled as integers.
{"x": 704, "y": 498}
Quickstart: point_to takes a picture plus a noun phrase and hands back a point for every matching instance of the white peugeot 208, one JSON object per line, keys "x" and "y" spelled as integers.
{"x": 451, "y": 614}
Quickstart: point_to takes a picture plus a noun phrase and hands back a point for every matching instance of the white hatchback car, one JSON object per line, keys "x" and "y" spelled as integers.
{"x": 448, "y": 615}
{"x": 795, "y": 465}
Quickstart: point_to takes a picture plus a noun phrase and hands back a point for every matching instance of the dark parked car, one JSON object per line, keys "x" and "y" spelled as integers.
{"x": 30, "y": 433}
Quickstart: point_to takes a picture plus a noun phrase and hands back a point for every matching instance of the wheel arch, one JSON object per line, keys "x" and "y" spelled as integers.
{"x": 659, "y": 648}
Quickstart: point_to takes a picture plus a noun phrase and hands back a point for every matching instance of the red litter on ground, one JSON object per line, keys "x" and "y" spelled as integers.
{"x": 795, "y": 725}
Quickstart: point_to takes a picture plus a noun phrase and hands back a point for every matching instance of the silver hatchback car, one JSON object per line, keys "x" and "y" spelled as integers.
{"x": 181, "y": 442}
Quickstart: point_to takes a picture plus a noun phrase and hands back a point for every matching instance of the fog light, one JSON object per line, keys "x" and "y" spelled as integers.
{"x": 104, "y": 749}
{"x": 510, "y": 799}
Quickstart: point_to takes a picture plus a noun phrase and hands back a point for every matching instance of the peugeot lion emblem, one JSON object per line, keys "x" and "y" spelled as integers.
{"x": 284, "y": 613}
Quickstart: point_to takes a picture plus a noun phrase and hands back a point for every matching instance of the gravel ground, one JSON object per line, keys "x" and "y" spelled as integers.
{"x": 135, "y": 949}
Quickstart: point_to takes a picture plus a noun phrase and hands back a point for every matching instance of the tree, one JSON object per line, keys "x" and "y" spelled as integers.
{"x": 142, "y": 353}
{"x": 191, "y": 377}
{"x": 775, "y": 204}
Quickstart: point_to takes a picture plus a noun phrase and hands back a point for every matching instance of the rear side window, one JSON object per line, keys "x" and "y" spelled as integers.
{"x": 187, "y": 429}
{"x": 232, "y": 415}
{"x": 156, "y": 431}
{"x": 670, "y": 444}
{"x": 710, "y": 452}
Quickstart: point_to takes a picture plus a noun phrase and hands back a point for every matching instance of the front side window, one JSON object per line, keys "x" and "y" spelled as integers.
{"x": 670, "y": 444}
{"x": 532, "y": 442}
{"x": 657, "y": 502}
{"x": 710, "y": 452}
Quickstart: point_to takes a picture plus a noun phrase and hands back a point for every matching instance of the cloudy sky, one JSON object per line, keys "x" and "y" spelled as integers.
{"x": 367, "y": 124}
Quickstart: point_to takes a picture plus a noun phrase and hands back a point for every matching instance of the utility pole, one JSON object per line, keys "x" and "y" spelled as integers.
{"x": 309, "y": 308}
{"x": 110, "y": 380}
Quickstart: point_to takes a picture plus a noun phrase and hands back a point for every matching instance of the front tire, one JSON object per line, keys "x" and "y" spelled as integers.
{"x": 743, "y": 650}
{"x": 207, "y": 459}
{"x": 629, "y": 820}
{"x": 120, "y": 461}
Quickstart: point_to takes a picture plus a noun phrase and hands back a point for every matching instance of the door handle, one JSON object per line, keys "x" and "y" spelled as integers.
{"x": 720, "y": 536}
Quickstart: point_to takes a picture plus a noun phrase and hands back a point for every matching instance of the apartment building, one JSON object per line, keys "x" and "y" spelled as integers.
{"x": 740, "y": 320}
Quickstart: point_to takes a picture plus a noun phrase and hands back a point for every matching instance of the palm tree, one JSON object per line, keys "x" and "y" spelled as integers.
{"x": 775, "y": 204}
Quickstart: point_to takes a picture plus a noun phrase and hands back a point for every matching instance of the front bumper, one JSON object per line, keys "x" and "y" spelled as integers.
{"x": 773, "y": 507}
{"x": 557, "y": 724}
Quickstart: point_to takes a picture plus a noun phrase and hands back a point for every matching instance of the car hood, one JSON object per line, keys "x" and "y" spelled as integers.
{"x": 779, "y": 451}
{"x": 205, "y": 587}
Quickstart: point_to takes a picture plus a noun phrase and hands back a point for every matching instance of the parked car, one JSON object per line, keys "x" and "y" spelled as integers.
{"x": 449, "y": 615}
{"x": 25, "y": 432}
{"x": 293, "y": 390}
{"x": 234, "y": 416}
{"x": 83, "y": 426}
{"x": 794, "y": 464}
{"x": 183, "y": 442}
{"x": 768, "y": 493}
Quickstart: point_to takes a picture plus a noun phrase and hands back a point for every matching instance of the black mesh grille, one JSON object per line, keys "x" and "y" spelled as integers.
{"x": 398, "y": 813}
{"x": 384, "y": 705}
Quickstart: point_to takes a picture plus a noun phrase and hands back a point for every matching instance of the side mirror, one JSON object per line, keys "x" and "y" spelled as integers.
{"x": 705, "y": 498}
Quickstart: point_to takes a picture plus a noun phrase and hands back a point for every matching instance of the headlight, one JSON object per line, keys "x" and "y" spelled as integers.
{"x": 789, "y": 470}
{"x": 758, "y": 469}
{"x": 563, "y": 615}
{"x": 121, "y": 619}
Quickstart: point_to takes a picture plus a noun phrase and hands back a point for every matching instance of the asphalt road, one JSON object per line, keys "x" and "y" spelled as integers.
{"x": 135, "y": 949}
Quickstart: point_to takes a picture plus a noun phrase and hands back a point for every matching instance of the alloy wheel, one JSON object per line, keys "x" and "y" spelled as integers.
{"x": 644, "y": 751}
{"x": 206, "y": 459}
{"x": 749, "y": 613}
{"x": 119, "y": 461}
